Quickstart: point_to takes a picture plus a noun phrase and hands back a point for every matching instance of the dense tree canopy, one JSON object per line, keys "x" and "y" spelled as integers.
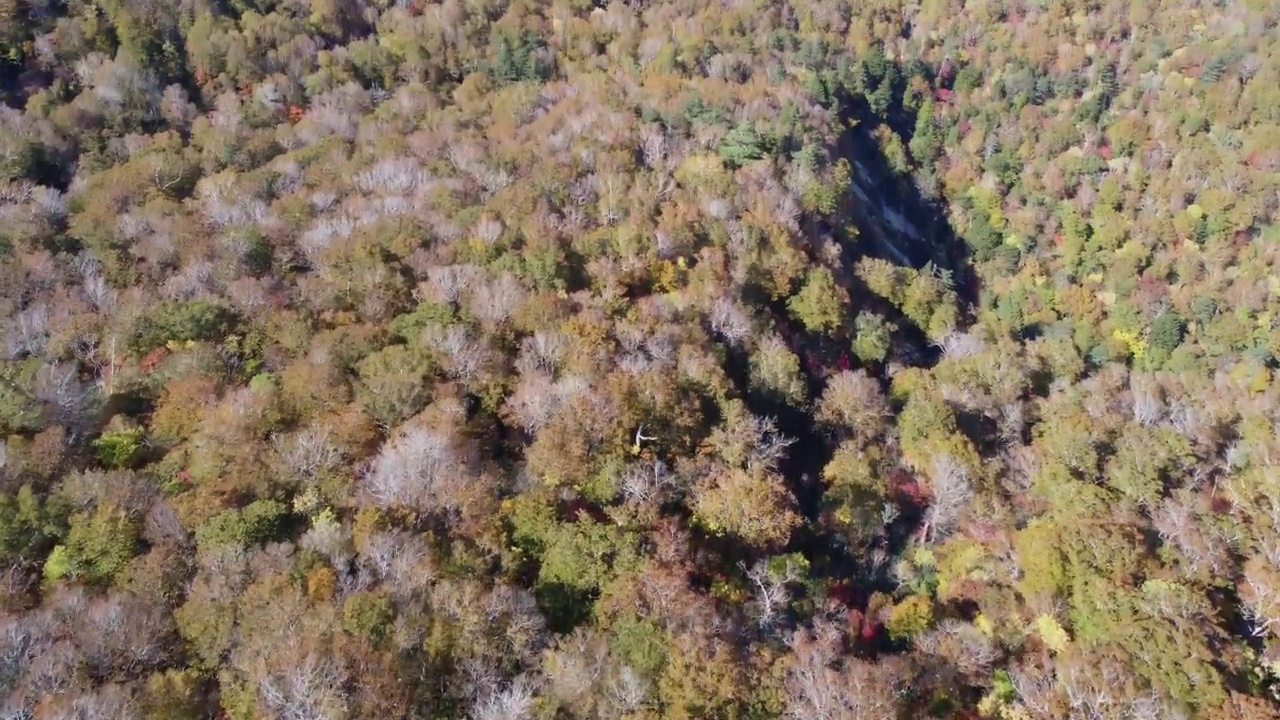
{"x": 548, "y": 360}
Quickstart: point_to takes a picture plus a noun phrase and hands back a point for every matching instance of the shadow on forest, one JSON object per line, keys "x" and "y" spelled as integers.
{"x": 897, "y": 222}
{"x": 903, "y": 225}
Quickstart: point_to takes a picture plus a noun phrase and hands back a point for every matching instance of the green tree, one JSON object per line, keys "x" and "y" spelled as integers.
{"x": 395, "y": 383}
{"x": 19, "y": 410}
{"x": 872, "y": 337}
{"x": 368, "y": 614}
{"x": 29, "y": 524}
{"x": 820, "y": 304}
{"x": 120, "y": 449}
{"x": 257, "y": 522}
{"x": 516, "y": 60}
{"x": 183, "y": 321}
{"x": 742, "y": 144}
{"x": 96, "y": 548}
{"x": 585, "y": 555}
{"x": 926, "y": 142}
{"x": 1167, "y": 331}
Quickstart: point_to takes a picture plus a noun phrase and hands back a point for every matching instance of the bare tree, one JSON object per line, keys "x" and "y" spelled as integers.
{"x": 498, "y": 300}
{"x": 176, "y": 108}
{"x": 124, "y": 489}
{"x": 950, "y": 491}
{"x": 771, "y": 594}
{"x": 653, "y": 145}
{"x": 1260, "y": 597}
{"x": 1036, "y": 692}
{"x": 730, "y": 320}
{"x": 534, "y": 402}
{"x": 330, "y": 538}
{"x": 1147, "y": 400}
{"x": 464, "y": 356}
{"x": 109, "y": 702}
{"x": 97, "y": 292}
{"x": 308, "y": 690}
{"x": 336, "y": 112}
{"x": 392, "y": 176}
{"x": 541, "y": 352}
{"x": 447, "y": 283}
{"x": 420, "y": 469}
{"x": 822, "y": 683}
{"x": 28, "y": 332}
{"x": 1095, "y": 687}
{"x": 1200, "y": 547}
{"x": 751, "y": 441}
{"x": 20, "y": 640}
{"x": 122, "y": 636}
{"x": 962, "y": 648}
{"x": 399, "y": 560}
{"x": 53, "y": 670}
{"x": 308, "y": 454}
{"x": 68, "y": 399}
{"x": 574, "y": 669}
{"x": 956, "y": 345}
{"x": 513, "y": 702}
{"x": 648, "y": 483}
{"x": 250, "y": 295}
{"x": 641, "y": 437}
{"x": 1153, "y": 707}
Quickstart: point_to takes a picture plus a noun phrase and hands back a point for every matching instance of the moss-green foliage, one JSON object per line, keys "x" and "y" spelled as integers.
{"x": 515, "y": 60}
{"x": 1145, "y": 461}
{"x": 930, "y": 304}
{"x": 19, "y": 409}
{"x": 741, "y": 145}
{"x": 926, "y": 141}
{"x": 257, "y": 522}
{"x": 927, "y": 428}
{"x": 368, "y": 615}
{"x": 263, "y": 383}
{"x": 573, "y": 559}
{"x": 880, "y": 81}
{"x": 1167, "y": 332}
{"x": 258, "y": 253}
{"x": 1177, "y": 664}
{"x": 983, "y": 239}
{"x": 182, "y": 321}
{"x": 29, "y": 525}
{"x": 119, "y": 449}
{"x": 872, "y": 337}
{"x": 823, "y": 195}
{"x": 395, "y": 382}
{"x": 96, "y": 548}
{"x": 585, "y": 555}
{"x": 409, "y": 326}
{"x": 640, "y": 642}
{"x": 24, "y": 157}
{"x": 775, "y": 375}
{"x": 924, "y": 295}
{"x": 820, "y": 304}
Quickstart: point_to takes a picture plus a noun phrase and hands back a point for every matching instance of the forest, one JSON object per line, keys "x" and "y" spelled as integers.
{"x": 640, "y": 359}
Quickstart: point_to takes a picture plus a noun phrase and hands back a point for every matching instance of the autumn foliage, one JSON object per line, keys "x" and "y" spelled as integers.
{"x": 550, "y": 360}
